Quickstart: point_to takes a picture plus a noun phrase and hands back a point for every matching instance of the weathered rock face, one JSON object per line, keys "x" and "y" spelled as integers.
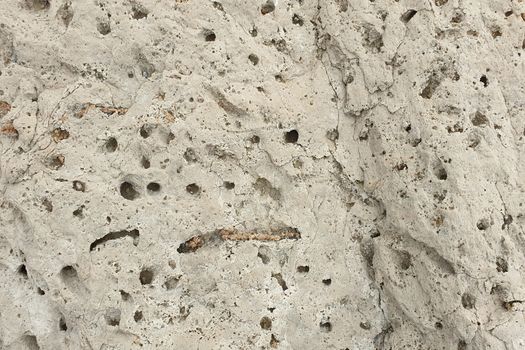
{"x": 183, "y": 174}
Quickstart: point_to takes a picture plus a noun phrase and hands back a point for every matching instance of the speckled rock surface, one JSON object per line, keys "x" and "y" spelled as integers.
{"x": 181, "y": 174}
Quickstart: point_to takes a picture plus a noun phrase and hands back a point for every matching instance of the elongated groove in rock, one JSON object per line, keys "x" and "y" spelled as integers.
{"x": 225, "y": 104}
{"x": 197, "y": 242}
{"x": 116, "y": 235}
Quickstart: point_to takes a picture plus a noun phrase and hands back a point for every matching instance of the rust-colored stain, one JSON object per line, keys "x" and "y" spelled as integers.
{"x": 191, "y": 245}
{"x": 270, "y": 235}
{"x": 59, "y": 134}
{"x": 4, "y": 108}
{"x": 8, "y": 129}
{"x": 108, "y": 110}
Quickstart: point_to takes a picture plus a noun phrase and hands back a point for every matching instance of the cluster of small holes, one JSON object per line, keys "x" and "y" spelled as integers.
{"x": 501, "y": 264}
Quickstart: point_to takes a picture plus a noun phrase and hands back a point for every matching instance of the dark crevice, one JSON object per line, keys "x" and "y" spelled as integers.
{"x": 116, "y": 235}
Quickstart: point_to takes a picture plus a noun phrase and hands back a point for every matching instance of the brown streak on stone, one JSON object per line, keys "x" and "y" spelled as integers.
{"x": 4, "y": 108}
{"x": 226, "y": 105}
{"x": 9, "y": 130}
{"x": 271, "y": 235}
{"x": 108, "y": 110}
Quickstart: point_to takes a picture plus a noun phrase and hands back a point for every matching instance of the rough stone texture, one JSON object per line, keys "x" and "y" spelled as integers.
{"x": 331, "y": 174}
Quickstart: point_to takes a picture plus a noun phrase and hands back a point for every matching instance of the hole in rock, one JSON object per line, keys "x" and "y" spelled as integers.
{"x": 128, "y": 191}
{"x": 253, "y": 59}
{"x": 62, "y": 324}
{"x": 79, "y": 186}
{"x": 209, "y": 35}
{"x": 267, "y": 7}
{"x": 145, "y": 131}
{"x": 266, "y": 323}
{"x": 193, "y": 189}
{"x": 407, "y": 16}
{"x": 280, "y": 280}
{"x": 145, "y": 163}
{"x": 291, "y": 136}
{"x": 229, "y": 185}
{"x": 104, "y": 27}
{"x": 190, "y": 156}
{"x": 30, "y": 342}
{"x": 22, "y": 270}
{"x": 440, "y": 172}
{"x": 303, "y": 269}
{"x": 134, "y": 234}
{"x": 137, "y": 316}
{"x": 171, "y": 282}
{"x": 479, "y": 119}
{"x": 153, "y": 187}
{"x": 68, "y": 273}
{"x": 112, "y": 317}
{"x": 483, "y": 224}
{"x": 296, "y": 19}
{"x": 325, "y": 327}
{"x": 264, "y": 254}
{"x": 468, "y": 301}
{"x": 501, "y": 264}
{"x": 111, "y": 144}
{"x": 484, "y": 80}
{"x": 146, "y": 276}
{"x": 124, "y": 295}
{"x": 138, "y": 11}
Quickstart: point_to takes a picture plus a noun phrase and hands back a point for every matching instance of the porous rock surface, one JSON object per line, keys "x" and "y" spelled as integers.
{"x": 330, "y": 174}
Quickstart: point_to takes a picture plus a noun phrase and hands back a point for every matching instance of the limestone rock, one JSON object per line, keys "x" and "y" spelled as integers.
{"x": 331, "y": 174}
